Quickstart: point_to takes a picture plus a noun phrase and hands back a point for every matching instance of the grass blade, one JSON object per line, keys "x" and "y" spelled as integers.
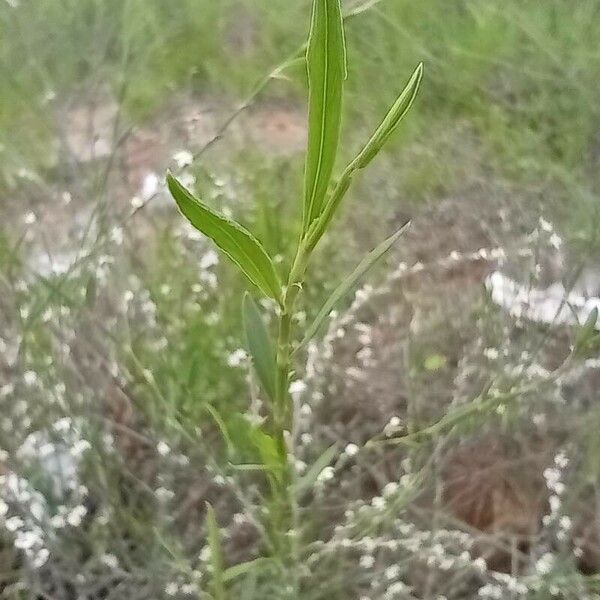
{"x": 233, "y": 239}
{"x": 326, "y": 63}
{"x": 259, "y": 345}
{"x": 216, "y": 554}
{"x": 349, "y": 283}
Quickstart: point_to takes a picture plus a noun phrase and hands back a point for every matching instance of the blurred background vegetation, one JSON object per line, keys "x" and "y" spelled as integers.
{"x": 121, "y": 369}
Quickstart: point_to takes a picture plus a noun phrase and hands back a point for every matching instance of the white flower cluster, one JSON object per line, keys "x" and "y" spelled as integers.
{"x": 23, "y": 513}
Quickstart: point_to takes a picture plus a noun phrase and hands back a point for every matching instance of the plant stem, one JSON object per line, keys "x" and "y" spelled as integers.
{"x": 284, "y": 502}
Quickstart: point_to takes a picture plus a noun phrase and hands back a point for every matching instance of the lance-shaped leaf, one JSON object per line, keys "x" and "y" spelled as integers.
{"x": 349, "y": 283}
{"x": 391, "y": 120}
{"x": 233, "y": 239}
{"x": 386, "y": 128}
{"x": 326, "y": 63}
{"x": 259, "y": 345}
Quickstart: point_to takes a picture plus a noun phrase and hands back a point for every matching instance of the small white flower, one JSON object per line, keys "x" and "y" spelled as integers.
{"x": 164, "y": 495}
{"x": 183, "y": 158}
{"x": 390, "y": 489}
{"x": 236, "y": 357}
{"x": 136, "y": 202}
{"x": 396, "y": 588}
{"x": 188, "y": 589}
{"x": 116, "y": 235}
{"x": 561, "y": 461}
{"x": 171, "y": 588}
{"x": 480, "y": 564}
{"x": 555, "y": 241}
{"x": 305, "y": 410}
{"x": 41, "y": 558}
{"x": 163, "y": 448}
{"x": 327, "y": 474}
{"x": 149, "y": 186}
{"x": 62, "y": 425}
{"x": 26, "y": 540}
{"x": 351, "y": 450}
{"x": 30, "y": 218}
{"x": 367, "y": 561}
{"x": 378, "y": 502}
{"x": 554, "y": 502}
{"x": 297, "y": 387}
{"x": 13, "y": 524}
{"x": 110, "y": 560}
{"x": 58, "y": 521}
{"x": 565, "y": 523}
{"x": 30, "y": 378}
{"x": 240, "y": 519}
{"x": 75, "y": 517}
{"x": 205, "y": 554}
{"x": 392, "y": 572}
{"x": 6, "y": 390}
{"x": 491, "y": 353}
{"x": 306, "y": 439}
{"x": 209, "y": 259}
{"x": 544, "y": 564}
{"x": 80, "y": 447}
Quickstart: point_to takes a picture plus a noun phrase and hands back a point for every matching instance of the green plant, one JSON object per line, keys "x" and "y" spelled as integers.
{"x": 326, "y": 65}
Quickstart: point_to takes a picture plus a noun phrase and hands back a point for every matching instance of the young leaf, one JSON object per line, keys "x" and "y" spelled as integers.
{"x": 349, "y": 283}
{"x": 259, "y": 345}
{"x": 255, "y": 447}
{"x": 233, "y": 239}
{"x": 326, "y": 63}
{"x": 366, "y": 155}
{"x": 391, "y": 120}
{"x": 216, "y": 554}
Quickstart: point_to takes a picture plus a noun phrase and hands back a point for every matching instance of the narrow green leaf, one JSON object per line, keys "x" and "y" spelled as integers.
{"x": 349, "y": 283}
{"x": 307, "y": 481}
{"x": 587, "y": 334}
{"x": 391, "y": 120}
{"x": 216, "y": 555}
{"x": 259, "y": 345}
{"x": 214, "y": 413}
{"x": 365, "y": 156}
{"x": 326, "y": 63}
{"x": 269, "y": 452}
{"x": 257, "y": 449}
{"x": 233, "y": 239}
{"x": 244, "y": 568}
